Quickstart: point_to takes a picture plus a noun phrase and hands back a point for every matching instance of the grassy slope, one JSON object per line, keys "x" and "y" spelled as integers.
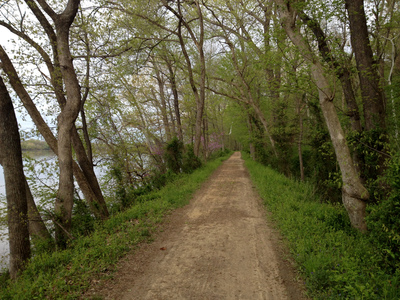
{"x": 337, "y": 262}
{"x": 66, "y": 274}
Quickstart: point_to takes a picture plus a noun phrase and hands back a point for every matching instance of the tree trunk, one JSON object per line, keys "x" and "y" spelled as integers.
{"x": 66, "y": 120}
{"x": 163, "y": 106}
{"x": 371, "y": 91}
{"x": 37, "y": 228}
{"x": 300, "y": 140}
{"x": 88, "y": 183}
{"x": 354, "y": 193}
{"x": 370, "y": 85}
{"x": 65, "y": 196}
{"x": 343, "y": 73}
{"x": 176, "y": 100}
{"x": 17, "y": 209}
{"x": 199, "y": 94}
{"x": 252, "y": 148}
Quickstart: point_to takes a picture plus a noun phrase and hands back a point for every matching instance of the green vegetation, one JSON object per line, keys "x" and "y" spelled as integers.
{"x": 34, "y": 145}
{"x": 336, "y": 261}
{"x": 66, "y": 274}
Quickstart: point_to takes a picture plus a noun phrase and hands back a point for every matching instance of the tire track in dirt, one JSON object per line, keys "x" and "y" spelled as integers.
{"x": 220, "y": 246}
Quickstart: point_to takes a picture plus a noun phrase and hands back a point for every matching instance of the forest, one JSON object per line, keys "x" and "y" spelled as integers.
{"x": 152, "y": 89}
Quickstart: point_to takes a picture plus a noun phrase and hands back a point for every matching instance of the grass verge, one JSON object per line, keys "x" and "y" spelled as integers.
{"x": 67, "y": 274}
{"x": 337, "y": 262}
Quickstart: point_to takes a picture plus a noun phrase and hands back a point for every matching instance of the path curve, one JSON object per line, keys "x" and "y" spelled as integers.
{"x": 220, "y": 246}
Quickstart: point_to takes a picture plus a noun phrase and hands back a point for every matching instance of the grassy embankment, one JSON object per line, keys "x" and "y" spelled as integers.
{"x": 336, "y": 261}
{"x": 66, "y": 274}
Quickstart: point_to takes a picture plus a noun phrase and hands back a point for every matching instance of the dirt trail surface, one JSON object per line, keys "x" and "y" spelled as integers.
{"x": 220, "y": 246}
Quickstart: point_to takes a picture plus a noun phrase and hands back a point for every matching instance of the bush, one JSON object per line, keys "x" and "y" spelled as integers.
{"x": 190, "y": 161}
{"x": 173, "y": 155}
{"x": 82, "y": 219}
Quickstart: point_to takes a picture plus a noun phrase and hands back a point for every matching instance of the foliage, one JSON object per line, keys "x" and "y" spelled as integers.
{"x": 283, "y": 134}
{"x": 173, "y": 155}
{"x": 383, "y": 220}
{"x": 82, "y": 219}
{"x": 371, "y": 146}
{"x": 320, "y": 163}
{"x": 67, "y": 274}
{"x": 121, "y": 187}
{"x": 190, "y": 161}
{"x": 336, "y": 261}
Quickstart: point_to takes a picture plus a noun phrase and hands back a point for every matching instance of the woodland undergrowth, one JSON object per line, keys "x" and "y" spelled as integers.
{"x": 69, "y": 273}
{"x": 336, "y": 261}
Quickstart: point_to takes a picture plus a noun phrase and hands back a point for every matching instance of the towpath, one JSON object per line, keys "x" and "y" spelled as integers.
{"x": 220, "y": 246}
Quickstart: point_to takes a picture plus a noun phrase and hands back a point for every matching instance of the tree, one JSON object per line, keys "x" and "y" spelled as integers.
{"x": 375, "y": 134}
{"x": 66, "y": 89}
{"x": 198, "y": 90}
{"x": 354, "y": 193}
{"x": 17, "y": 208}
{"x": 371, "y": 90}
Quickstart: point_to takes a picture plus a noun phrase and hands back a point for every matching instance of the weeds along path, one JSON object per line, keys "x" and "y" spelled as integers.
{"x": 220, "y": 246}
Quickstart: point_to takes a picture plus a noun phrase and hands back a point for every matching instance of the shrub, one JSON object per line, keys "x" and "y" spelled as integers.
{"x": 173, "y": 155}
{"x": 190, "y": 161}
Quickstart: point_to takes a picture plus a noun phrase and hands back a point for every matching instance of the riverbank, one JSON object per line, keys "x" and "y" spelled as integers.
{"x": 34, "y": 145}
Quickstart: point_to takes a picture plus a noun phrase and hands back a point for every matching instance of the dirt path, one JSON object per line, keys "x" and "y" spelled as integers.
{"x": 217, "y": 247}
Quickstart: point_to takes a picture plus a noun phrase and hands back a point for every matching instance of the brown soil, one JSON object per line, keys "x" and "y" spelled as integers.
{"x": 220, "y": 246}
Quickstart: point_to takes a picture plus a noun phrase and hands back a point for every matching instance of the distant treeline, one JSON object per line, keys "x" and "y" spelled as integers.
{"x": 32, "y": 145}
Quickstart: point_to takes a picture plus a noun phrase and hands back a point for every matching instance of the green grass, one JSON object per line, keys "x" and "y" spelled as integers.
{"x": 336, "y": 261}
{"x": 67, "y": 274}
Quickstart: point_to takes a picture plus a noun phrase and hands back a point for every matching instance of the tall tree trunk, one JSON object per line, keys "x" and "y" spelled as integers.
{"x": 65, "y": 196}
{"x": 163, "y": 106}
{"x": 251, "y": 138}
{"x": 354, "y": 193}
{"x": 300, "y": 139}
{"x": 17, "y": 209}
{"x": 206, "y": 137}
{"x": 174, "y": 89}
{"x": 370, "y": 85}
{"x": 371, "y": 91}
{"x": 66, "y": 119}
